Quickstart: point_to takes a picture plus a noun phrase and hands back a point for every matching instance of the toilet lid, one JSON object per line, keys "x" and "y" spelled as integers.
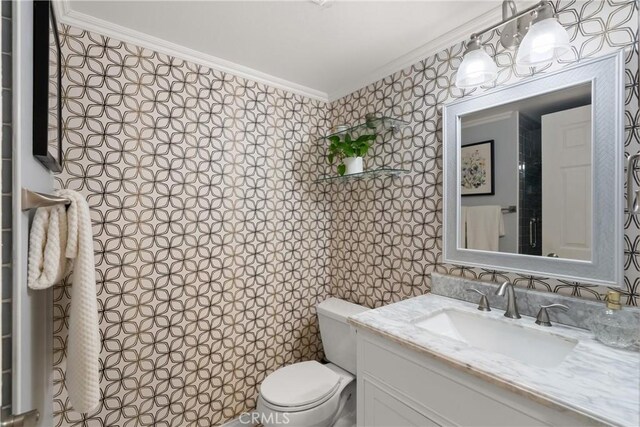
{"x": 299, "y": 384}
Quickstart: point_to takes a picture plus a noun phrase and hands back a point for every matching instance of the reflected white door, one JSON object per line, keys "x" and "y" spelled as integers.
{"x": 566, "y": 183}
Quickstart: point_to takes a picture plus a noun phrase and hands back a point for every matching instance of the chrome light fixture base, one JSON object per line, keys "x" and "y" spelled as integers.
{"x": 473, "y": 44}
{"x": 518, "y": 24}
{"x": 514, "y": 31}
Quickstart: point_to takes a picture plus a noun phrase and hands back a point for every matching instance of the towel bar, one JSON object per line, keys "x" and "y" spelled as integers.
{"x": 33, "y": 199}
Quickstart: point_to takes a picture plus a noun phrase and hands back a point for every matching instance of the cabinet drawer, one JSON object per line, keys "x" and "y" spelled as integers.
{"x": 458, "y": 397}
{"x": 388, "y": 410}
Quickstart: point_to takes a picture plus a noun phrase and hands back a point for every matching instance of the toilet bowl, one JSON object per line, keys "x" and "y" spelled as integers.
{"x": 311, "y": 394}
{"x": 306, "y": 394}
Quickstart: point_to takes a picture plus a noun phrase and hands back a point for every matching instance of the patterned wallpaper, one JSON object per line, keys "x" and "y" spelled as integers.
{"x": 392, "y": 228}
{"x": 210, "y": 244}
{"x": 214, "y": 243}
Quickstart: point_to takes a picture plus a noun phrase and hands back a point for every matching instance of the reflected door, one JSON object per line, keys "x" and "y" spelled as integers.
{"x": 566, "y": 183}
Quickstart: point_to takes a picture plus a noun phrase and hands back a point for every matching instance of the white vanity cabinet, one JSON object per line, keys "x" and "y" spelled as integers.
{"x": 398, "y": 387}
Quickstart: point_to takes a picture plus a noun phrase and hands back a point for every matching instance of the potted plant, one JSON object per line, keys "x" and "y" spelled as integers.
{"x": 349, "y": 152}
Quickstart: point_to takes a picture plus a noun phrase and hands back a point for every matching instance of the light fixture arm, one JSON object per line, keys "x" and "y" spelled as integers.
{"x": 473, "y": 44}
{"x": 508, "y": 8}
{"x": 538, "y": 6}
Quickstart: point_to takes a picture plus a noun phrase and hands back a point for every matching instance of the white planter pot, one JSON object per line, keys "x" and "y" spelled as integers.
{"x": 353, "y": 164}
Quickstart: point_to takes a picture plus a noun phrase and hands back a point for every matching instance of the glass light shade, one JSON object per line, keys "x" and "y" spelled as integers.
{"x": 477, "y": 68}
{"x": 545, "y": 41}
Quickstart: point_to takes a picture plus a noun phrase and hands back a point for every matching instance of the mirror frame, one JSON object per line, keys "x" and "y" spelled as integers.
{"x": 45, "y": 25}
{"x": 606, "y": 76}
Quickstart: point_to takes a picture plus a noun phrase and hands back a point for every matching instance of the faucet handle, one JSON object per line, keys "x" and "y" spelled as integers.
{"x": 484, "y": 302}
{"x": 543, "y": 315}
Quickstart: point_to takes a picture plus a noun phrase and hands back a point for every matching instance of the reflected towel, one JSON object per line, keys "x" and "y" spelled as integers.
{"x": 485, "y": 225}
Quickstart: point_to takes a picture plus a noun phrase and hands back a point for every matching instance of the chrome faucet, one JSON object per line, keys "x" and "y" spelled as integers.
{"x": 543, "y": 315}
{"x": 512, "y": 306}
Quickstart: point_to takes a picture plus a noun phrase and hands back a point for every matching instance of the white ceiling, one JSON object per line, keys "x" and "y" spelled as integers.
{"x": 328, "y": 51}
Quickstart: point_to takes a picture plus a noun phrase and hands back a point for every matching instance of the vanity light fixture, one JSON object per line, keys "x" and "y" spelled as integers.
{"x": 477, "y": 67}
{"x": 545, "y": 41}
{"x": 535, "y": 31}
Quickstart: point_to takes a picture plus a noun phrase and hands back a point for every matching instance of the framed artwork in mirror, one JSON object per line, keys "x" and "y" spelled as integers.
{"x": 47, "y": 99}
{"x": 477, "y": 174}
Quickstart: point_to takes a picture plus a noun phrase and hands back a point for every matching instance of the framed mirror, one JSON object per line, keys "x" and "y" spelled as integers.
{"x": 47, "y": 97}
{"x": 533, "y": 175}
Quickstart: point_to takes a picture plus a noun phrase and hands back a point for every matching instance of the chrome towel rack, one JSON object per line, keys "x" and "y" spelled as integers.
{"x": 509, "y": 209}
{"x": 33, "y": 200}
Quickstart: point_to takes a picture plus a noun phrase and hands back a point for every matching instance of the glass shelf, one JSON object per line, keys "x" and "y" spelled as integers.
{"x": 383, "y": 172}
{"x": 378, "y": 123}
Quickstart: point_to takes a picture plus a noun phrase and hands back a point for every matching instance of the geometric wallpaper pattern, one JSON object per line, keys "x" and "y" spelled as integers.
{"x": 214, "y": 242}
{"x": 209, "y": 242}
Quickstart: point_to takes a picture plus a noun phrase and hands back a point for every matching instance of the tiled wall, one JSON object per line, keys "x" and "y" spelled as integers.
{"x": 387, "y": 234}
{"x": 7, "y": 140}
{"x": 214, "y": 243}
{"x": 209, "y": 242}
{"x": 530, "y": 188}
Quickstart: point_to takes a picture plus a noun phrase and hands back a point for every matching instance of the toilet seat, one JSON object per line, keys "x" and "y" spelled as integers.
{"x": 323, "y": 411}
{"x": 299, "y": 386}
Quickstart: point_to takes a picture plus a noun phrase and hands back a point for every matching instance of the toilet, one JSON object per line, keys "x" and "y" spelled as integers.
{"x": 308, "y": 394}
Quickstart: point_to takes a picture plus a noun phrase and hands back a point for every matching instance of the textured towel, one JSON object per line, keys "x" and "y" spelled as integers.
{"x": 47, "y": 246}
{"x": 485, "y": 225}
{"x": 82, "y": 376}
{"x": 58, "y": 238}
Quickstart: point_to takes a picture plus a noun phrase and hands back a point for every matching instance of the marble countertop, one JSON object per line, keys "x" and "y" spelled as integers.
{"x": 596, "y": 381}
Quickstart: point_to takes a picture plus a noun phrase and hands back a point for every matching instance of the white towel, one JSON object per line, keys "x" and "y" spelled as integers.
{"x": 47, "y": 249}
{"x": 485, "y": 225}
{"x": 83, "y": 366}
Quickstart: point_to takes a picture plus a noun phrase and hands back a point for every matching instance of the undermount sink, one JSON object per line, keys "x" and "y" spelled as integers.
{"x": 526, "y": 345}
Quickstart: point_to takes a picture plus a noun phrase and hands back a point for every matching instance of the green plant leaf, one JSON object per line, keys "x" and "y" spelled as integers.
{"x": 365, "y": 138}
{"x": 342, "y": 168}
{"x": 344, "y": 145}
{"x": 348, "y": 151}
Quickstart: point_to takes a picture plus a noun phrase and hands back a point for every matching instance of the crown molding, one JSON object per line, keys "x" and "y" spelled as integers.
{"x": 68, "y": 16}
{"x": 438, "y": 44}
{"x": 487, "y": 119}
{"x": 61, "y": 7}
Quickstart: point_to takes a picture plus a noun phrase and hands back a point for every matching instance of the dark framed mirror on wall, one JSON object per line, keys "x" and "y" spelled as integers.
{"x": 47, "y": 88}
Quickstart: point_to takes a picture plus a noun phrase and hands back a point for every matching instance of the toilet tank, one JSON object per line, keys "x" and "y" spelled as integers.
{"x": 338, "y": 337}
